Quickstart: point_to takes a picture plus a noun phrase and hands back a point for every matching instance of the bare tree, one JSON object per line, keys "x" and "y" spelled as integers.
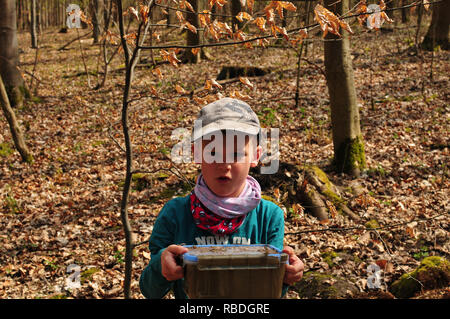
{"x": 16, "y": 133}
{"x": 437, "y": 34}
{"x": 347, "y": 139}
{"x": 9, "y": 54}
{"x": 33, "y": 30}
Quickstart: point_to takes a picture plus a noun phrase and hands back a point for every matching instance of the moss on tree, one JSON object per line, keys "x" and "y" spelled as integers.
{"x": 350, "y": 157}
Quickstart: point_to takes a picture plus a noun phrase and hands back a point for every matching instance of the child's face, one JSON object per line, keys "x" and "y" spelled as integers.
{"x": 226, "y": 168}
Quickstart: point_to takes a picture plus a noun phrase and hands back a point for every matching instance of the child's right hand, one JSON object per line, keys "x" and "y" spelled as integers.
{"x": 170, "y": 270}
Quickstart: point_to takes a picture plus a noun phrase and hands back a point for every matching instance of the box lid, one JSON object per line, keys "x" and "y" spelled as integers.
{"x": 233, "y": 256}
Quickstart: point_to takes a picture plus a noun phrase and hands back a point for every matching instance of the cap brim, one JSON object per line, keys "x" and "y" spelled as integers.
{"x": 225, "y": 125}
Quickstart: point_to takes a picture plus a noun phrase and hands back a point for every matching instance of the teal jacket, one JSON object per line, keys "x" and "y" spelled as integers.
{"x": 175, "y": 225}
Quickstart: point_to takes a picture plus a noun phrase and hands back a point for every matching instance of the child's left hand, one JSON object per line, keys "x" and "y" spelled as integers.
{"x": 294, "y": 270}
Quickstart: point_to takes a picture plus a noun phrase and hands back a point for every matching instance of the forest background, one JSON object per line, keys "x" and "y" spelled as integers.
{"x": 62, "y": 211}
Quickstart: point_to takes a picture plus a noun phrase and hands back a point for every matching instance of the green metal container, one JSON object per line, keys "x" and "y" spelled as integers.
{"x": 234, "y": 271}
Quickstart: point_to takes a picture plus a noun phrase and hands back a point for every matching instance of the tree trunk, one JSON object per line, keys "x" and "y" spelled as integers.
{"x": 97, "y": 18}
{"x": 404, "y": 12}
{"x": 14, "y": 125}
{"x": 348, "y": 144}
{"x": 193, "y": 38}
{"x": 33, "y": 25}
{"x": 236, "y": 7}
{"x": 437, "y": 34}
{"x": 9, "y": 54}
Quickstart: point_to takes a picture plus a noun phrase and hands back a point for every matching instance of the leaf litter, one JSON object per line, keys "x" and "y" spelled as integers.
{"x": 64, "y": 208}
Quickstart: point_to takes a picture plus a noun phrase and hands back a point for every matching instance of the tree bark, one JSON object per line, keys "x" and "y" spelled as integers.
{"x": 97, "y": 8}
{"x": 404, "y": 12}
{"x": 14, "y": 125}
{"x": 437, "y": 34}
{"x": 236, "y": 7}
{"x": 9, "y": 54}
{"x": 33, "y": 30}
{"x": 193, "y": 38}
{"x": 348, "y": 144}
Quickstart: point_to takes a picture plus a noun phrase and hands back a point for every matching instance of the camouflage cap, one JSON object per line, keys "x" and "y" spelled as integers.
{"x": 226, "y": 114}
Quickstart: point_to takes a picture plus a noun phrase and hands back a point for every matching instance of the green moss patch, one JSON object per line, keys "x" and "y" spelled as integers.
{"x": 324, "y": 286}
{"x": 433, "y": 272}
{"x": 5, "y": 149}
{"x": 350, "y": 157}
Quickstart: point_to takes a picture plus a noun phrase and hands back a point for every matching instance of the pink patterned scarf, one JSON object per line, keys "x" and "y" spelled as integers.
{"x": 229, "y": 207}
{"x": 223, "y": 215}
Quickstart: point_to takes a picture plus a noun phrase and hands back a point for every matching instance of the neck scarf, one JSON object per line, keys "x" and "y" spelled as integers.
{"x": 223, "y": 215}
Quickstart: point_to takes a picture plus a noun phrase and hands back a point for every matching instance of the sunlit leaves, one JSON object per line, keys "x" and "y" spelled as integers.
{"x": 260, "y": 23}
{"x": 329, "y": 22}
{"x": 246, "y": 81}
{"x": 302, "y": 34}
{"x": 186, "y": 5}
{"x": 218, "y": 3}
{"x": 158, "y": 73}
{"x": 180, "y": 90}
{"x": 170, "y": 56}
{"x": 243, "y": 15}
{"x": 190, "y": 27}
{"x": 360, "y": 9}
{"x": 144, "y": 12}
{"x": 211, "y": 83}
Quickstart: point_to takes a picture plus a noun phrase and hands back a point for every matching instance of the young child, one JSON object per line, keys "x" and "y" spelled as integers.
{"x": 225, "y": 206}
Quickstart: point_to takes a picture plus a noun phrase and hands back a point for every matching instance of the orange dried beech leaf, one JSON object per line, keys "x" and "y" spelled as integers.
{"x": 246, "y": 81}
{"x": 270, "y": 16}
{"x": 250, "y": 4}
{"x": 190, "y": 27}
{"x": 180, "y": 16}
{"x": 223, "y": 27}
{"x": 333, "y": 211}
{"x": 243, "y": 15}
{"x": 260, "y": 23}
{"x": 180, "y": 90}
{"x": 184, "y": 4}
{"x": 219, "y": 3}
{"x": 204, "y": 18}
{"x": 144, "y": 11}
{"x": 239, "y": 95}
{"x": 385, "y": 17}
{"x": 171, "y": 57}
{"x": 153, "y": 90}
{"x": 298, "y": 209}
{"x": 329, "y": 22}
{"x": 289, "y": 6}
{"x": 133, "y": 11}
{"x": 211, "y": 83}
{"x": 195, "y": 51}
{"x": 158, "y": 73}
{"x": 360, "y": 9}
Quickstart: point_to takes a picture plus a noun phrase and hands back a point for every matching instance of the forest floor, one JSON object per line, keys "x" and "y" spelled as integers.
{"x": 64, "y": 208}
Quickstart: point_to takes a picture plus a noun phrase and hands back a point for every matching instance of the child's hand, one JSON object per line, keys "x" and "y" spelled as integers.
{"x": 170, "y": 270}
{"x": 294, "y": 271}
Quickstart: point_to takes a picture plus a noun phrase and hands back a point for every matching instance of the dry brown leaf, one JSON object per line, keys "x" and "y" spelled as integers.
{"x": 195, "y": 51}
{"x": 158, "y": 73}
{"x": 243, "y": 15}
{"x": 246, "y": 81}
{"x": 190, "y": 27}
{"x": 179, "y": 89}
